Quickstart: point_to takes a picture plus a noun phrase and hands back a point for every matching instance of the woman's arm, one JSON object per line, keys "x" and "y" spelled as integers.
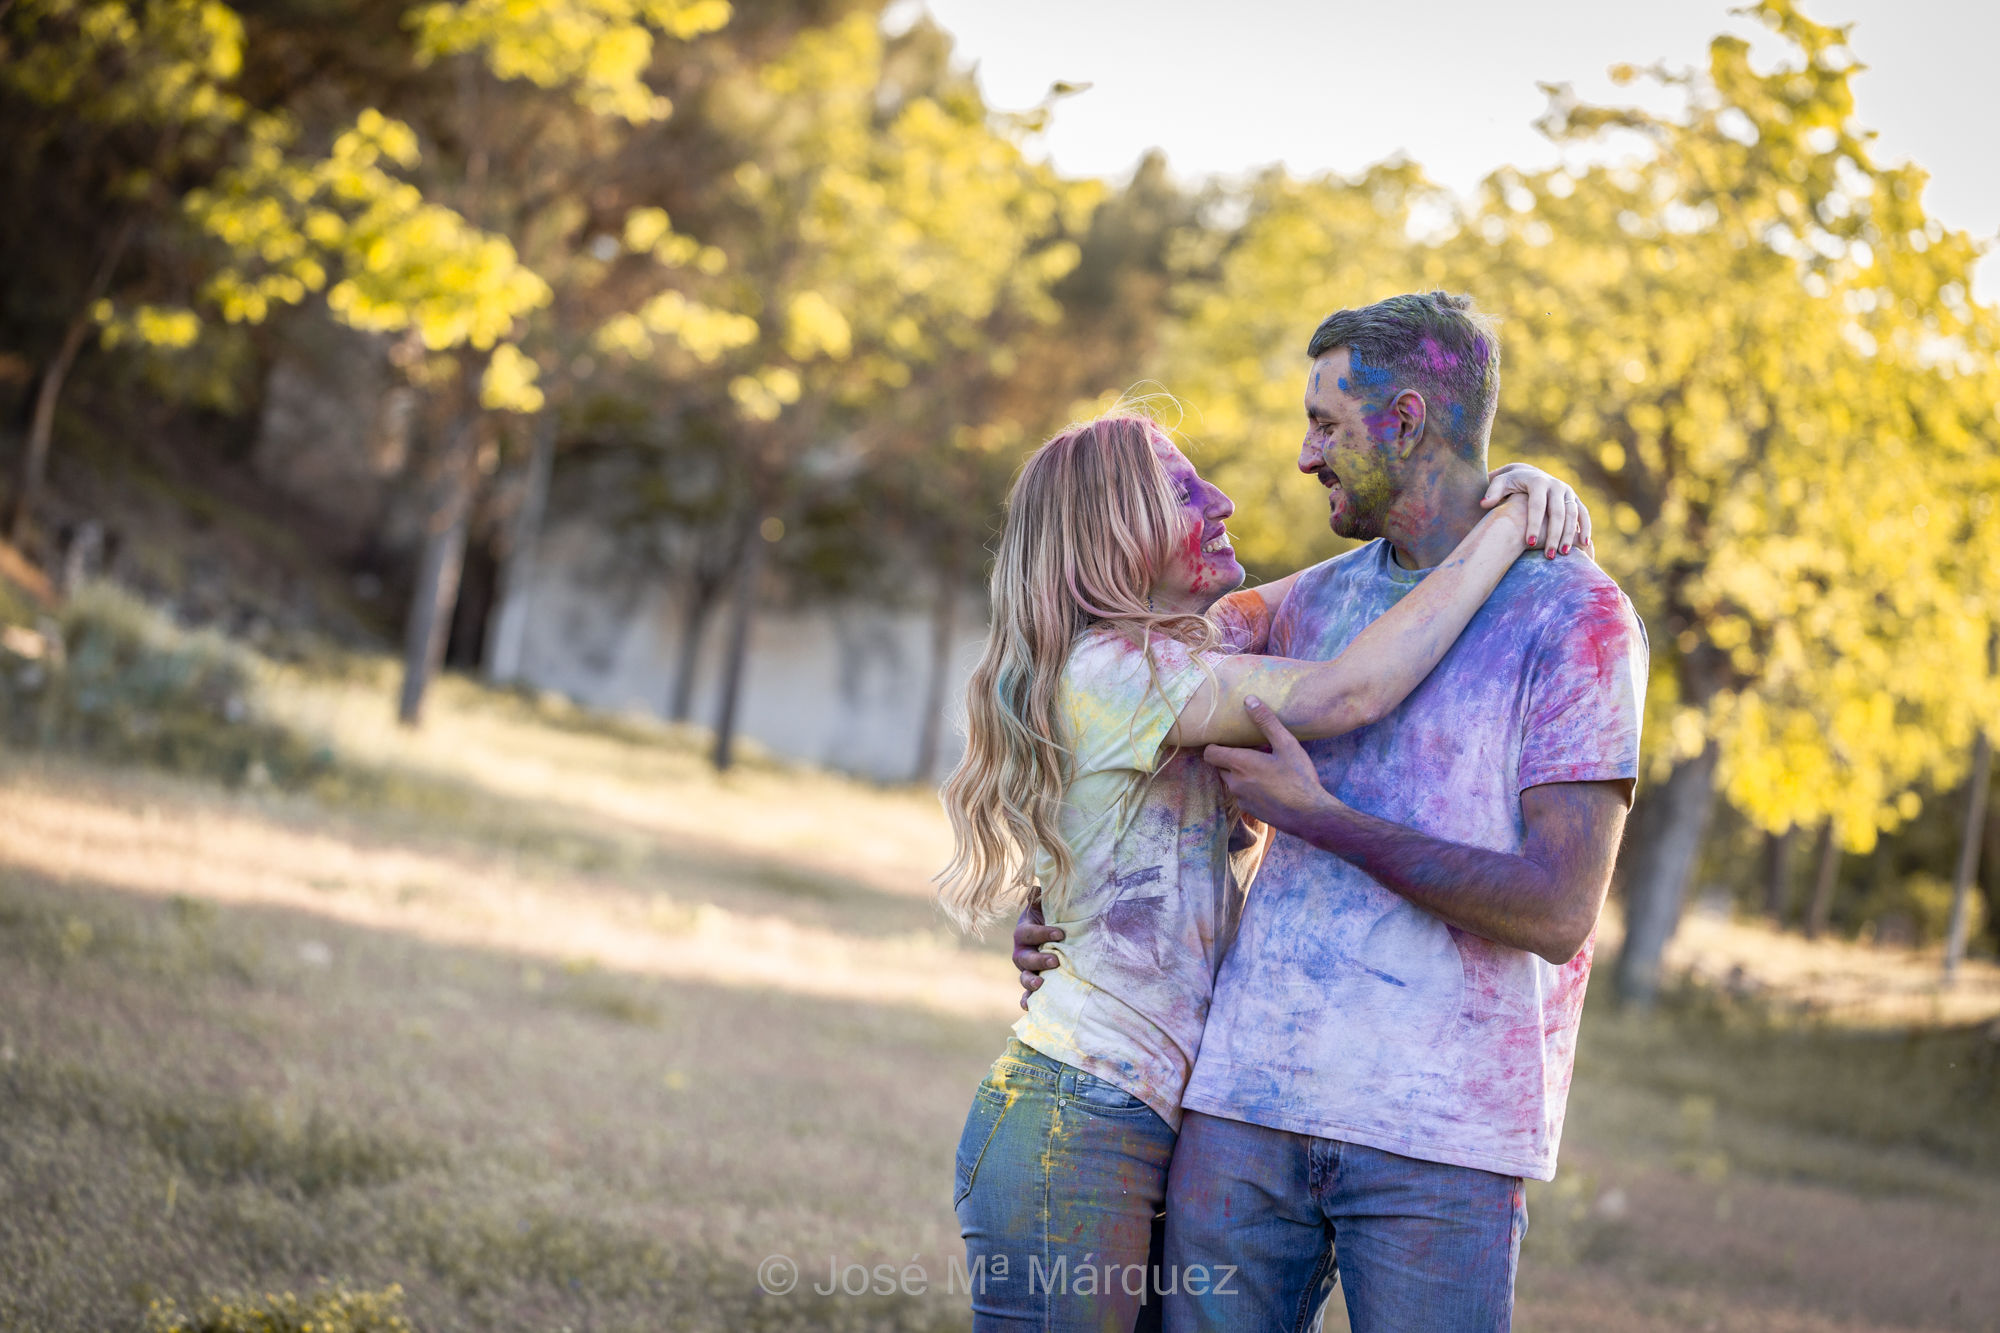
{"x": 1245, "y": 615}
{"x": 1556, "y": 519}
{"x": 1378, "y": 670}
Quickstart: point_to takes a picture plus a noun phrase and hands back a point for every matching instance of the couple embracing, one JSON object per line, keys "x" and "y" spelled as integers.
{"x": 1218, "y": 1094}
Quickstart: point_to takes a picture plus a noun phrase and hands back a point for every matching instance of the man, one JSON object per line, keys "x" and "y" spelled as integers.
{"x": 1389, "y": 1048}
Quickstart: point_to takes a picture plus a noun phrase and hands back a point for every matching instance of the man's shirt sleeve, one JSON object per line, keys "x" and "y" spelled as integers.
{"x": 1586, "y": 692}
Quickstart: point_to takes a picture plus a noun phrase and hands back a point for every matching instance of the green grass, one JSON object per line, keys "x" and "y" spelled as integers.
{"x": 212, "y": 1138}
{"x": 517, "y": 1147}
{"x": 209, "y": 1107}
{"x": 1933, "y": 1092}
{"x": 329, "y": 1309}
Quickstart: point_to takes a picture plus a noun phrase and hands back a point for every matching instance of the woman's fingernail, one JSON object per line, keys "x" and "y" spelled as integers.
{"x": 1565, "y": 548}
{"x": 1533, "y": 540}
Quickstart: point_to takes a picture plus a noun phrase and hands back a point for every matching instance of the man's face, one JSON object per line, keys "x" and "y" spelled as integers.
{"x": 1351, "y": 443}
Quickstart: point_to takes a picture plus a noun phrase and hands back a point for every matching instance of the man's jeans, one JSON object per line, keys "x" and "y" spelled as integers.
{"x": 1060, "y": 1179}
{"x": 1421, "y": 1245}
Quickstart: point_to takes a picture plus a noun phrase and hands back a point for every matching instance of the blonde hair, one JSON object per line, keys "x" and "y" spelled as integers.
{"x": 1091, "y": 524}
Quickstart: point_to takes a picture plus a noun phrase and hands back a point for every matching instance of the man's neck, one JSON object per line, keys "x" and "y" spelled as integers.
{"x": 1435, "y": 513}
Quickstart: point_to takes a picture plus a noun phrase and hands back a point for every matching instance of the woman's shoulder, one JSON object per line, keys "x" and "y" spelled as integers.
{"x": 1118, "y": 651}
{"x": 1114, "y": 664}
{"x": 1104, "y": 655}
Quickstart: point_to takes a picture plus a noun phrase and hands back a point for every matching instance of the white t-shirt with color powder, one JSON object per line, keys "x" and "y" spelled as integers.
{"x": 1152, "y": 903}
{"x": 1345, "y": 1011}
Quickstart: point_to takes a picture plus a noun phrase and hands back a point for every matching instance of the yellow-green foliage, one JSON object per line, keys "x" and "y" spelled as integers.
{"x": 352, "y": 223}
{"x": 879, "y": 247}
{"x": 396, "y": 260}
{"x": 1756, "y": 354}
{"x": 599, "y": 48}
{"x": 331, "y": 1309}
{"x": 1758, "y": 351}
{"x": 158, "y": 64}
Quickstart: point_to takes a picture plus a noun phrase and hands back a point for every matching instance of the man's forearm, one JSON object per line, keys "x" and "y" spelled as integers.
{"x": 1509, "y": 899}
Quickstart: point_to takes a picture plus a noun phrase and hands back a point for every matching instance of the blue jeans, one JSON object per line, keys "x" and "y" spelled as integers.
{"x": 1061, "y": 1178}
{"x": 1421, "y": 1245}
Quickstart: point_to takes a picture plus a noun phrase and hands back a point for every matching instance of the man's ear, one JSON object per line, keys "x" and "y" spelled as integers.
{"x": 1411, "y": 419}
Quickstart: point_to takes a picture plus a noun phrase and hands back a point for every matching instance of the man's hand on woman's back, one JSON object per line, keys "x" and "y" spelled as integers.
{"x": 1030, "y": 934}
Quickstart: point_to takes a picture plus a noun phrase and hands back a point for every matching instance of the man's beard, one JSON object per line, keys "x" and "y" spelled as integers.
{"x": 1347, "y": 519}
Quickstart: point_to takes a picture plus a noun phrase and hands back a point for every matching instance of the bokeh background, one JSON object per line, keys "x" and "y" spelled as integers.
{"x": 498, "y": 501}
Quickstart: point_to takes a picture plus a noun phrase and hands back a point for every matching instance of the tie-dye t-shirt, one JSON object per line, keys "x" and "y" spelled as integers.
{"x": 1151, "y": 904}
{"x": 1345, "y": 1012}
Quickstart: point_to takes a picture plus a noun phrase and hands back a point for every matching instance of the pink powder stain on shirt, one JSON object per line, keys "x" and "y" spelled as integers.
{"x": 1469, "y": 1060}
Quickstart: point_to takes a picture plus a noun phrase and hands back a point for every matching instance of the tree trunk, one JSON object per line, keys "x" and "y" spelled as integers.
{"x": 1968, "y": 855}
{"x": 944, "y": 628}
{"x": 34, "y": 462}
{"x": 748, "y": 571}
{"x": 695, "y": 612}
{"x": 435, "y": 592}
{"x": 508, "y": 639}
{"x": 1826, "y": 876}
{"x": 1989, "y": 868}
{"x": 1657, "y": 883}
{"x": 1778, "y": 875}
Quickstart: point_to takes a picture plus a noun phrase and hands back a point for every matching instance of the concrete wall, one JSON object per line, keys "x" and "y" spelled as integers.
{"x": 840, "y": 685}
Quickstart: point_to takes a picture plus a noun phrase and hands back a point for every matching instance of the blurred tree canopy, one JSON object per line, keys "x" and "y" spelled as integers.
{"x": 804, "y": 299}
{"x": 1758, "y": 356}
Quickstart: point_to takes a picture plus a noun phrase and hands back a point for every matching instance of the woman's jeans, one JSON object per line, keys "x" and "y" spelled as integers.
{"x": 1061, "y": 1182}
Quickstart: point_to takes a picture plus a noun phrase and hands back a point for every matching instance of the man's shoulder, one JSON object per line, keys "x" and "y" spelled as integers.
{"x": 1571, "y": 584}
{"x": 1569, "y": 609}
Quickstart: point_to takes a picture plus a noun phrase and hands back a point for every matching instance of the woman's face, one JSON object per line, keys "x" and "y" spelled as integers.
{"x": 1202, "y": 566}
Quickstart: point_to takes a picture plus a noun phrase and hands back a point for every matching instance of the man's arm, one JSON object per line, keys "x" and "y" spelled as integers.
{"x": 1544, "y": 899}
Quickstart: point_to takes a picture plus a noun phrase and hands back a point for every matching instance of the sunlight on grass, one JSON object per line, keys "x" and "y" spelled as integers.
{"x": 530, "y": 1014}
{"x": 178, "y": 842}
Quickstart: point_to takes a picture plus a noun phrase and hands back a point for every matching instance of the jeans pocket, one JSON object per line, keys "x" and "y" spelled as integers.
{"x": 1099, "y": 1095}
{"x": 981, "y": 1123}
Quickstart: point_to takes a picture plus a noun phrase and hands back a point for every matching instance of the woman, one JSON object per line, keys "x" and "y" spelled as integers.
{"x": 1103, "y": 674}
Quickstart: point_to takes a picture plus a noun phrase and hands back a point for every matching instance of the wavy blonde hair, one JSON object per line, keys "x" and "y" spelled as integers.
{"x": 1092, "y": 521}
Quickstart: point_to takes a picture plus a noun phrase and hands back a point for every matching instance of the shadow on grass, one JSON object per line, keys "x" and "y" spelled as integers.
{"x": 213, "y": 1138}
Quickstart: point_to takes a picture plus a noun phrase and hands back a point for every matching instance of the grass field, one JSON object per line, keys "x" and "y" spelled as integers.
{"x": 530, "y": 1015}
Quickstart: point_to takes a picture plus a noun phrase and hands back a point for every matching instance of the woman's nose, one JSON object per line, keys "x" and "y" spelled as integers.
{"x": 1219, "y": 505}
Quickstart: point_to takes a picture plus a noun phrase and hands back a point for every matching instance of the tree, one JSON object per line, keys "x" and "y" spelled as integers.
{"x": 1759, "y": 353}
{"x": 877, "y": 222}
{"x": 400, "y": 261}
{"x": 126, "y": 103}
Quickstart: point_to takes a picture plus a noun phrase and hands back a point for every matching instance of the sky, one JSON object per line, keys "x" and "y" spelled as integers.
{"x": 1335, "y": 85}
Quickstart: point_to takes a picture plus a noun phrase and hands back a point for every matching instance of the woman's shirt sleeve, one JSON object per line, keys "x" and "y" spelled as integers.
{"x": 1117, "y": 711}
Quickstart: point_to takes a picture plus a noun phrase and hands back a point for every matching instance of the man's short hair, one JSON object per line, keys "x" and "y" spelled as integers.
{"x": 1432, "y": 342}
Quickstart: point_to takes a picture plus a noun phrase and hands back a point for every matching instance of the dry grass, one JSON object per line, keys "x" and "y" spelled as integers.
{"x": 528, "y": 1014}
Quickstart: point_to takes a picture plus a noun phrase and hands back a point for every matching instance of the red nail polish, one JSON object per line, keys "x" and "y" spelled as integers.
{"x": 1565, "y": 550}
{"x": 1532, "y": 540}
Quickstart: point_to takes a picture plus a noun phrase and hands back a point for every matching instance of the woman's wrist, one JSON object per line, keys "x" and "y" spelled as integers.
{"x": 1510, "y": 516}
